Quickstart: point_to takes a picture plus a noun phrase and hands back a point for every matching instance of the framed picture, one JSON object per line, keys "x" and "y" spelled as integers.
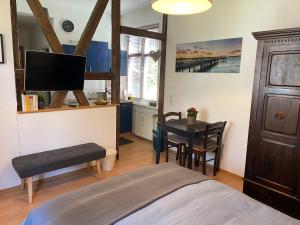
{"x": 1, "y": 49}
{"x": 217, "y": 56}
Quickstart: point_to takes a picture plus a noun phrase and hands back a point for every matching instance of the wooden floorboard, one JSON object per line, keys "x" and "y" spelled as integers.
{"x": 14, "y": 205}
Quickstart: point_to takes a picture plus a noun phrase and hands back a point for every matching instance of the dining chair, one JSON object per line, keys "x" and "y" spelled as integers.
{"x": 210, "y": 142}
{"x": 174, "y": 140}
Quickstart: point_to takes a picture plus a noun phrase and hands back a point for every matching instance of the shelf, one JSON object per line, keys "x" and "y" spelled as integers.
{"x": 64, "y": 108}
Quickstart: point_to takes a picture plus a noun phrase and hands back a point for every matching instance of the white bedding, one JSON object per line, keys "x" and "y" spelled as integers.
{"x": 208, "y": 203}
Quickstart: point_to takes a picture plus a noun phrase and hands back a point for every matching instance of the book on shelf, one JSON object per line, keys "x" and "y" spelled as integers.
{"x": 29, "y": 103}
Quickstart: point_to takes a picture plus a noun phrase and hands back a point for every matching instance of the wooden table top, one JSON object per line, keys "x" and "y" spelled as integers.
{"x": 181, "y": 125}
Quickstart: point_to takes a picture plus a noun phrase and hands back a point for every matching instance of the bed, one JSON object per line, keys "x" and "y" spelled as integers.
{"x": 160, "y": 194}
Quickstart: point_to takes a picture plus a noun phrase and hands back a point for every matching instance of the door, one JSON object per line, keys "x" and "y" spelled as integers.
{"x": 125, "y": 117}
{"x": 276, "y": 146}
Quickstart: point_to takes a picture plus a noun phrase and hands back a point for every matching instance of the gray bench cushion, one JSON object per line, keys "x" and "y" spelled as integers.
{"x": 38, "y": 163}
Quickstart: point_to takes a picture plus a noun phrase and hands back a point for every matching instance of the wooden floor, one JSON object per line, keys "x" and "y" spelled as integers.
{"x": 14, "y": 205}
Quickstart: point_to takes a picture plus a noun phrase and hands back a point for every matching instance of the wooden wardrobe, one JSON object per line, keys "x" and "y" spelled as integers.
{"x": 272, "y": 173}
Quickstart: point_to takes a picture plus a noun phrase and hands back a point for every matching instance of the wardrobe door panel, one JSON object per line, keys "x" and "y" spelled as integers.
{"x": 281, "y": 114}
{"x": 285, "y": 69}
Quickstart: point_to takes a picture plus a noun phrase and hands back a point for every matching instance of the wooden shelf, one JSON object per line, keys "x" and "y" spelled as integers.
{"x": 64, "y": 108}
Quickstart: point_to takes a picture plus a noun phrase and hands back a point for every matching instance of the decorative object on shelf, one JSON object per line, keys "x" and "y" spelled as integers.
{"x": 181, "y": 7}
{"x": 218, "y": 56}
{"x": 1, "y": 49}
{"x": 191, "y": 116}
{"x": 101, "y": 101}
{"x": 41, "y": 102}
{"x": 29, "y": 103}
{"x": 68, "y": 26}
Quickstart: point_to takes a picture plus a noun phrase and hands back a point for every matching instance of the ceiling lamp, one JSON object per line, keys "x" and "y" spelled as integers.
{"x": 181, "y": 7}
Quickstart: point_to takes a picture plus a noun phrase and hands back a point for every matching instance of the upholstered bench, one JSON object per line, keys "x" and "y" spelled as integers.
{"x": 28, "y": 166}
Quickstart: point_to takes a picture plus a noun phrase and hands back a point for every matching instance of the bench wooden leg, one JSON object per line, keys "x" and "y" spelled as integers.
{"x": 88, "y": 166}
{"x": 98, "y": 164}
{"x": 30, "y": 190}
{"x": 22, "y": 186}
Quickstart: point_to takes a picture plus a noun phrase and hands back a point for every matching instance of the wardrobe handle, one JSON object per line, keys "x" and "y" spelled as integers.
{"x": 279, "y": 115}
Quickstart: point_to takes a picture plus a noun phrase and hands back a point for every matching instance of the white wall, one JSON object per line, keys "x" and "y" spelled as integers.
{"x": 40, "y": 132}
{"x": 77, "y": 13}
{"x": 8, "y": 123}
{"x": 224, "y": 96}
{"x": 21, "y": 134}
{"x": 142, "y": 18}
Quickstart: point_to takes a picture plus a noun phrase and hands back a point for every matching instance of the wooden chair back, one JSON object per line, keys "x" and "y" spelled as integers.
{"x": 167, "y": 116}
{"x": 214, "y": 132}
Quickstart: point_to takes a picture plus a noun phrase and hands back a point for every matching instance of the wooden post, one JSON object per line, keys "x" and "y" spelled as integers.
{"x": 162, "y": 69}
{"x": 44, "y": 22}
{"x": 91, "y": 27}
{"x": 115, "y": 96}
{"x": 30, "y": 189}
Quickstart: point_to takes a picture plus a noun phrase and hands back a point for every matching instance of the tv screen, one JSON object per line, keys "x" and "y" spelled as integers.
{"x": 53, "y": 72}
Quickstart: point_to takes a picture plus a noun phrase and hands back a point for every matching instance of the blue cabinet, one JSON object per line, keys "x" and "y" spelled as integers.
{"x": 126, "y": 109}
{"x": 124, "y": 62}
{"x": 69, "y": 49}
{"x": 97, "y": 55}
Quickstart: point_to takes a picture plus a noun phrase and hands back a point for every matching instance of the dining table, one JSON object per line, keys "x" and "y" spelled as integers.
{"x": 181, "y": 127}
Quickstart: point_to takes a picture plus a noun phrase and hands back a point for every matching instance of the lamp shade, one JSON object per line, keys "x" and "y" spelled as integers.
{"x": 181, "y": 7}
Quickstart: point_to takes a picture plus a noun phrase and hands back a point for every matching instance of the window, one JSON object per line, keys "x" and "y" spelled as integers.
{"x": 143, "y": 66}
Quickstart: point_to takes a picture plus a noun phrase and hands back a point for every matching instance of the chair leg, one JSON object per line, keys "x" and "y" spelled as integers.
{"x": 98, "y": 164}
{"x": 204, "y": 163}
{"x": 218, "y": 155}
{"x": 177, "y": 153}
{"x": 196, "y": 159}
{"x": 215, "y": 164}
{"x": 184, "y": 156}
{"x": 30, "y": 189}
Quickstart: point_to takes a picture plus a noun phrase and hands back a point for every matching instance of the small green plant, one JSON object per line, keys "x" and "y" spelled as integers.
{"x": 41, "y": 98}
{"x": 192, "y": 112}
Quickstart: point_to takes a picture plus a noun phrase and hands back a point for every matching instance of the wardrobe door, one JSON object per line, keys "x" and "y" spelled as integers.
{"x": 272, "y": 172}
{"x": 277, "y": 126}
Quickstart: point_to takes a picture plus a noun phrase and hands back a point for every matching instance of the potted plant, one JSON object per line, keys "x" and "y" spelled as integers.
{"x": 191, "y": 116}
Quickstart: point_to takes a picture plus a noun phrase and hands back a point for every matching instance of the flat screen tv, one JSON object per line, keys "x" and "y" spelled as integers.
{"x": 53, "y": 72}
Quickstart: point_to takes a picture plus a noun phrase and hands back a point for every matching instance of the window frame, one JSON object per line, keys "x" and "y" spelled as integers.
{"x": 143, "y": 56}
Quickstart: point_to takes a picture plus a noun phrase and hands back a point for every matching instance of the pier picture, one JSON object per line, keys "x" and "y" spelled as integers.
{"x": 219, "y": 56}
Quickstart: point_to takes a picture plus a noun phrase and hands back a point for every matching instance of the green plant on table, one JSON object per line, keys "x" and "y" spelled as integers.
{"x": 192, "y": 112}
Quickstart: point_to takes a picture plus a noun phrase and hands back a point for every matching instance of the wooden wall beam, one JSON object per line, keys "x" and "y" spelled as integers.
{"x": 91, "y": 27}
{"x": 58, "y": 98}
{"x": 44, "y": 22}
{"x": 98, "y": 76}
{"x": 142, "y": 33}
{"x": 116, "y": 48}
{"x": 13, "y": 9}
{"x": 54, "y": 43}
{"x": 81, "y": 98}
{"x": 162, "y": 69}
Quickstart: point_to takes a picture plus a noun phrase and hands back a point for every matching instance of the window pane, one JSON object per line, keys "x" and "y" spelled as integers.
{"x": 151, "y": 45}
{"x": 150, "y": 79}
{"x": 134, "y": 76}
{"x": 134, "y": 44}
